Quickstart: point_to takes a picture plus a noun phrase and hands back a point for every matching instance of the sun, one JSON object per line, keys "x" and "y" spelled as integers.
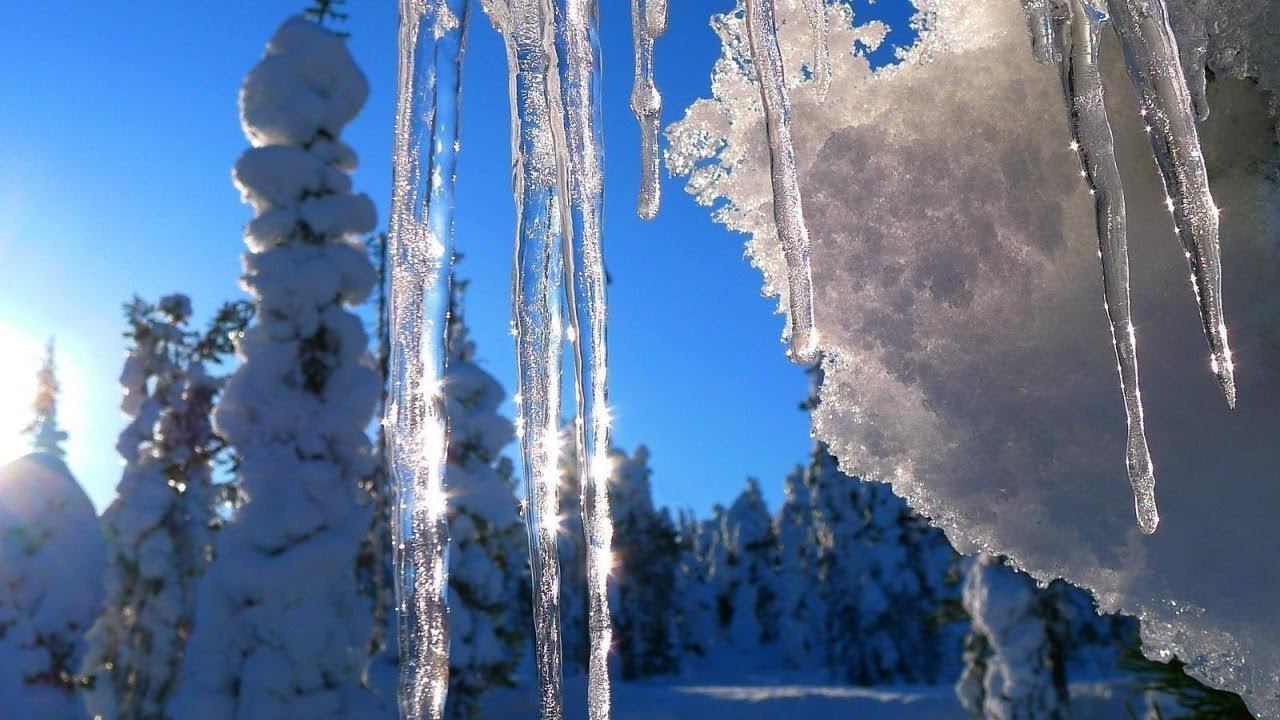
{"x": 18, "y": 365}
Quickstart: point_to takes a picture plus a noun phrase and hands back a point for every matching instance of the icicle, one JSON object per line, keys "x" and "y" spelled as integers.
{"x": 788, "y": 213}
{"x": 648, "y": 21}
{"x": 1193, "y": 46}
{"x": 820, "y": 26}
{"x": 1044, "y": 24}
{"x": 1151, "y": 55}
{"x": 538, "y": 145}
{"x": 432, "y": 39}
{"x": 578, "y": 44}
{"x": 1077, "y": 30}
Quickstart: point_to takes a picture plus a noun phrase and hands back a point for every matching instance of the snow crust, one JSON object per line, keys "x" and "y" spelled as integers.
{"x": 968, "y": 360}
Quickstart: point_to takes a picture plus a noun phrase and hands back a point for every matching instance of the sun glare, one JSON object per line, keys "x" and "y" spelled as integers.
{"x": 18, "y": 365}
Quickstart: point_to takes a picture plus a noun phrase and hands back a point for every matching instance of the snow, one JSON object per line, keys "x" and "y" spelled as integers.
{"x": 749, "y": 686}
{"x": 957, "y": 296}
{"x": 281, "y": 628}
{"x": 51, "y": 561}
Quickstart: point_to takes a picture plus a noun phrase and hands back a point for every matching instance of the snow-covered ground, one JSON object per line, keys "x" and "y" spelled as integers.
{"x": 683, "y": 699}
{"x": 748, "y": 684}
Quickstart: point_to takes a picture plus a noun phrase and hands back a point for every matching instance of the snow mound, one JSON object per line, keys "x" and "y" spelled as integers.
{"x": 959, "y": 306}
{"x": 52, "y": 556}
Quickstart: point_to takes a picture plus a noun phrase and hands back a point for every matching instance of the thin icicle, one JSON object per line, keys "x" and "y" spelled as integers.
{"x": 578, "y": 44}
{"x": 820, "y": 26}
{"x": 432, "y": 40}
{"x": 1151, "y": 55}
{"x": 788, "y": 213}
{"x": 1078, "y": 31}
{"x": 538, "y": 149}
{"x": 648, "y": 21}
{"x": 1187, "y": 21}
{"x": 1044, "y": 22}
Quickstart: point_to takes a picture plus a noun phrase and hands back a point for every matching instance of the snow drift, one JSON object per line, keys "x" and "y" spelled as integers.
{"x": 959, "y": 307}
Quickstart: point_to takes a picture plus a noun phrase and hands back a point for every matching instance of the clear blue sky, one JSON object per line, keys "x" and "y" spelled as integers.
{"x": 118, "y": 125}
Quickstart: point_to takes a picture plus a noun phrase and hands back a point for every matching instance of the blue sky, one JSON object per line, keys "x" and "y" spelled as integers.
{"x": 119, "y": 128}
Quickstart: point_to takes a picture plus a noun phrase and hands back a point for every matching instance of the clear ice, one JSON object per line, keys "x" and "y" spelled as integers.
{"x": 432, "y": 40}
{"x": 1067, "y": 33}
{"x": 648, "y": 21}
{"x": 788, "y": 213}
{"x": 542, "y": 230}
{"x": 578, "y": 43}
{"x": 1076, "y": 32}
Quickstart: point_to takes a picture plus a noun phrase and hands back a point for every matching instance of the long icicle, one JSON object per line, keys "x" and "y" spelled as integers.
{"x": 539, "y": 180}
{"x": 1092, "y": 140}
{"x": 648, "y": 21}
{"x": 1151, "y": 55}
{"x": 788, "y": 213}
{"x": 820, "y": 27}
{"x": 432, "y": 42}
{"x": 579, "y": 51}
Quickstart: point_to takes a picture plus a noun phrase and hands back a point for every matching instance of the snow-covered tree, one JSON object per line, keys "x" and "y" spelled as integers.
{"x": 748, "y": 585}
{"x": 646, "y": 559}
{"x": 159, "y": 527}
{"x": 487, "y": 554}
{"x": 575, "y": 641}
{"x": 45, "y": 434}
{"x": 1013, "y": 668}
{"x": 281, "y": 630}
{"x": 51, "y": 561}
{"x": 800, "y": 600}
{"x": 695, "y": 598}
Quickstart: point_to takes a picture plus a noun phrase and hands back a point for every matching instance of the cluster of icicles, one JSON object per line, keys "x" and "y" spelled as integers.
{"x": 553, "y": 58}
{"x": 1066, "y": 34}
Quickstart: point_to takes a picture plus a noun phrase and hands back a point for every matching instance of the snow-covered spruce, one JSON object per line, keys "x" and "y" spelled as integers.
{"x": 488, "y": 553}
{"x": 1009, "y": 657}
{"x": 695, "y": 606}
{"x": 748, "y": 582}
{"x": 280, "y": 629}
{"x": 51, "y": 561}
{"x": 800, "y": 610}
{"x": 159, "y": 527}
{"x": 46, "y": 436}
{"x": 646, "y": 557}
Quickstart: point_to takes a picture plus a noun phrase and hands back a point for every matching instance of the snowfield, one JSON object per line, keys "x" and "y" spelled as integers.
{"x": 678, "y": 699}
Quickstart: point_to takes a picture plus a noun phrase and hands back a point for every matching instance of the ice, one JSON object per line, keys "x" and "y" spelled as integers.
{"x": 432, "y": 40}
{"x": 578, "y": 43}
{"x": 1077, "y": 32}
{"x": 648, "y": 21}
{"x": 821, "y": 63}
{"x": 1151, "y": 55}
{"x": 538, "y": 146}
{"x": 956, "y": 284}
{"x": 788, "y": 212}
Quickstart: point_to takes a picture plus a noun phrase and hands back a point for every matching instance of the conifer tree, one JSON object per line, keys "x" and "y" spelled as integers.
{"x": 695, "y": 594}
{"x": 800, "y": 608}
{"x": 646, "y": 557}
{"x": 281, "y": 629}
{"x": 159, "y": 527}
{"x": 1013, "y": 662}
{"x": 749, "y": 585}
{"x": 46, "y": 435}
{"x": 487, "y": 554}
{"x": 51, "y": 561}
